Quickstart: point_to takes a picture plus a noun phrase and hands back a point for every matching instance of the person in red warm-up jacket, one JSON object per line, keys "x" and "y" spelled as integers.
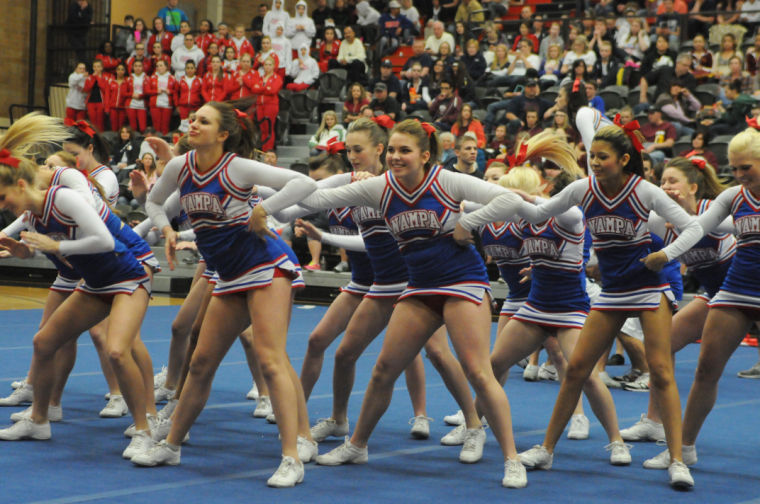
{"x": 118, "y": 92}
{"x": 161, "y": 35}
{"x": 189, "y": 94}
{"x": 135, "y": 102}
{"x": 267, "y": 103}
{"x": 96, "y": 86}
{"x": 162, "y": 87}
{"x": 240, "y": 83}
{"x": 215, "y": 82}
{"x": 109, "y": 60}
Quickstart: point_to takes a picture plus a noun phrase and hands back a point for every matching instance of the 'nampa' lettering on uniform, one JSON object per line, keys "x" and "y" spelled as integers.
{"x": 202, "y": 203}
{"x": 747, "y": 225}
{"x": 540, "y": 247}
{"x": 611, "y": 225}
{"x": 414, "y": 219}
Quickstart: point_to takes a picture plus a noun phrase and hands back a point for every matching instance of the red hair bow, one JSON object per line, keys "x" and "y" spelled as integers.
{"x": 752, "y": 123}
{"x": 576, "y": 85}
{"x": 240, "y": 117}
{"x": 385, "y": 121}
{"x": 81, "y": 125}
{"x": 7, "y": 159}
{"x": 699, "y": 163}
{"x": 520, "y": 157}
{"x": 429, "y": 128}
{"x": 333, "y": 146}
{"x": 630, "y": 130}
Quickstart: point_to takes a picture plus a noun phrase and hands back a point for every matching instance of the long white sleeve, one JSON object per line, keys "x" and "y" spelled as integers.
{"x": 295, "y": 211}
{"x": 93, "y": 235}
{"x": 500, "y": 203}
{"x": 292, "y": 186}
{"x": 354, "y": 243}
{"x": 15, "y": 227}
{"x": 364, "y": 193}
{"x": 569, "y": 197}
{"x": 716, "y": 217}
{"x": 161, "y": 190}
{"x": 110, "y": 184}
{"x": 75, "y": 180}
{"x": 690, "y": 231}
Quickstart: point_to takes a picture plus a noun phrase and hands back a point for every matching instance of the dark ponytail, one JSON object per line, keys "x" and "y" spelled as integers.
{"x": 240, "y": 139}
{"x": 86, "y": 136}
{"x": 622, "y": 144}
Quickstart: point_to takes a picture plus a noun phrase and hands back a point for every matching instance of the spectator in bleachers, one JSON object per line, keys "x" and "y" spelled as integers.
{"x": 172, "y": 16}
{"x": 140, "y": 34}
{"x": 728, "y": 49}
{"x": 668, "y": 23}
{"x": 466, "y": 156}
{"x": 522, "y": 62}
{"x": 679, "y": 107}
{"x": 157, "y": 55}
{"x": 300, "y": 28}
{"x": 579, "y": 50}
{"x": 446, "y": 54}
{"x": 328, "y": 130}
{"x": 601, "y": 35}
{"x": 587, "y": 24}
{"x": 368, "y": 19}
{"x": 161, "y": 88}
{"x": 433, "y": 42}
{"x": 382, "y": 103}
{"x": 138, "y": 56}
{"x": 117, "y": 94}
{"x": 658, "y": 65}
{"x": 186, "y": 52}
{"x": 634, "y": 42}
{"x": 474, "y": 61}
{"x": 578, "y": 70}
{"x": 356, "y": 99}
{"x": 699, "y": 139}
{"x": 532, "y": 125}
{"x": 605, "y": 71}
{"x": 123, "y": 36}
{"x": 343, "y": 15}
{"x": 418, "y": 56}
{"x": 500, "y": 142}
{"x": 351, "y": 56}
{"x": 524, "y": 33}
{"x": 467, "y": 123}
{"x": 240, "y": 43}
{"x": 189, "y": 94}
{"x": 223, "y": 38}
{"x": 76, "y": 106}
{"x": 515, "y": 108}
{"x": 304, "y": 70}
{"x": 126, "y": 149}
{"x": 107, "y": 58}
{"x": 146, "y": 167}
{"x": 701, "y": 59}
{"x": 437, "y": 76}
{"x": 447, "y": 141}
{"x": 733, "y": 116}
{"x": 594, "y": 101}
{"x": 77, "y": 26}
{"x": 274, "y": 18}
{"x": 498, "y": 70}
{"x": 539, "y": 28}
{"x": 161, "y": 36}
{"x": 230, "y": 61}
{"x": 328, "y": 48}
{"x": 750, "y": 16}
{"x": 395, "y": 30}
{"x": 697, "y": 21}
{"x": 283, "y": 50}
{"x": 412, "y": 14}
{"x": 415, "y": 93}
{"x": 205, "y": 64}
{"x": 470, "y": 11}
{"x": 659, "y": 135}
{"x": 135, "y": 101}
{"x": 497, "y": 8}
{"x": 463, "y": 83}
{"x": 735, "y": 72}
{"x": 240, "y": 83}
{"x": 388, "y": 78}
{"x": 492, "y": 36}
{"x": 215, "y": 82}
{"x": 96, "y": 86}
{"x": 461, "y": 36}
{"x": 561, "y": 126}
{"x": 179, "y": 39}
{"x": 553, "y": 38}
{"x": 550, "y": 70}
{"x": 265, "y": 53}
{"x": 728, "y": 6}
{"x": 266, "y": 90}
{"x": 752, "y": 58}
{"x": 446, "y": 106}
{"x": 257, "y": 27}
{"x": 319, "y": 15}
{"x": 205, "y": 35}
{"x": 603, "y": 7}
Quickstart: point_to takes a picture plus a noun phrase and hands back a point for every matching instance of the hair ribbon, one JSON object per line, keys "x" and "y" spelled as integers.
{"x": 241, "y": 116}
{"x": 576, "y": 85}
{"x": 81, "y": 125}
{"x": 699, "y": 163}
{"x": 384, "y": 120}
{"x": 752, "y": 123}
{"x": 333, "y": 146}
{"x": 429, "y": 128}
{"x": 7, "y": 159}
{"x": 519, "y": 158}
{"x": 630, "y": 130}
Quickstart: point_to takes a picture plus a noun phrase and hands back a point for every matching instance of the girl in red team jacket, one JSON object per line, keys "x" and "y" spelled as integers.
{"x": 162, "y": 87}
{"x": 267, "y": 103}
{"x": 161, "y": 35}
{"x": 240, "y": 84}
{"x": 96, "y": 86}
{"x": 118, "y": 92}
{"x": 135, "y": 102}
{"x": 109, "y": 60}
{"x": 214, "y": 82}
{"x": 189, "y": 94}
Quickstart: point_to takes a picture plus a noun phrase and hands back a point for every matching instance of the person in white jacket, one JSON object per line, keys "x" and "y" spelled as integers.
{"x": 76, "y": 108}
{"x": 300, "y": 29}
{"x": 367, "y": 18}
{"x": 274, "y": 18}
{"x": 184, "y": 53}
{"x": 282, "y": 48}
{"x": 304, "y": 70}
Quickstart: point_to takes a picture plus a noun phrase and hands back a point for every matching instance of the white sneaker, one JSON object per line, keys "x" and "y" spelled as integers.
{"x": 55, "y": 414}
{"x": 253, "y": 394}
{"x": 327, "y": 427}
{"x": 159, "y": 379}
{"x": 420, "y": 427}
{"x": 18, "y": 384}
{"x": 166, "y": 412}
{"x": 547, "y": 372}
{"x": 537, "y": 458}
{"x": 131, "y": 429}
{"x": 22, "y": 395}
{"x": 263, "y": 407}
{"x": 680, "y": 476}
{"x": 289, "y": 474}
{"x": 607, "y": 380}
{"x": 159, "y": 454}
{"x": 116, "y": 407}
{"x": 530, "y": 373}
{"x": 307, "y": 450}
{"x": 163, "y": 394}
{"x": 271, "y": 418}
{"x": 662, "y": 460}
{"x": 141, "y": 442}
{"x": 25, "y": 429}
{"x": 472, "y": 448}
{"x": 455, "y": 419}
{"x": 579, "y": 426}
{"x": 514, "y": 474}
{"x": 640, "y": 384}
{"x": 644, "y": 430}
{"x": 620, "y": 453}
{"x": 344, "y": 454}
{"x": 455, "y": 437}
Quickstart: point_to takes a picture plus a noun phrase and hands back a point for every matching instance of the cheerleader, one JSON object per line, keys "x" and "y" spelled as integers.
{"x": 189, "y": 95}
{"x": 76, "y": 107}
{"x": 205, "y": 64}
{"x": 135, "y": 101}
{"x": 266, "y": 52}
{"x": 64, "y": 225}
{"x": 223, "y": 37}
{"x": 96, "y": 86}
{"x": 240, "y": 83}
{"x": 161, "y": 88}
{"x": 241, "y": 44}
{"x": 215, "y": 82}
{"x": 230, "y": 63}
{"x": 139, "y": 56}
{"x": 447, "y": 283}
{"x": 266, "y": 91}
{"x": 158, "y": 54}
{"x": 693, "y": 184}
{"x": 254, "y": 274}
{"x": 735, "y": 306}
{"x": 616, "y": 202}
{"x": 118, "y": 91}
